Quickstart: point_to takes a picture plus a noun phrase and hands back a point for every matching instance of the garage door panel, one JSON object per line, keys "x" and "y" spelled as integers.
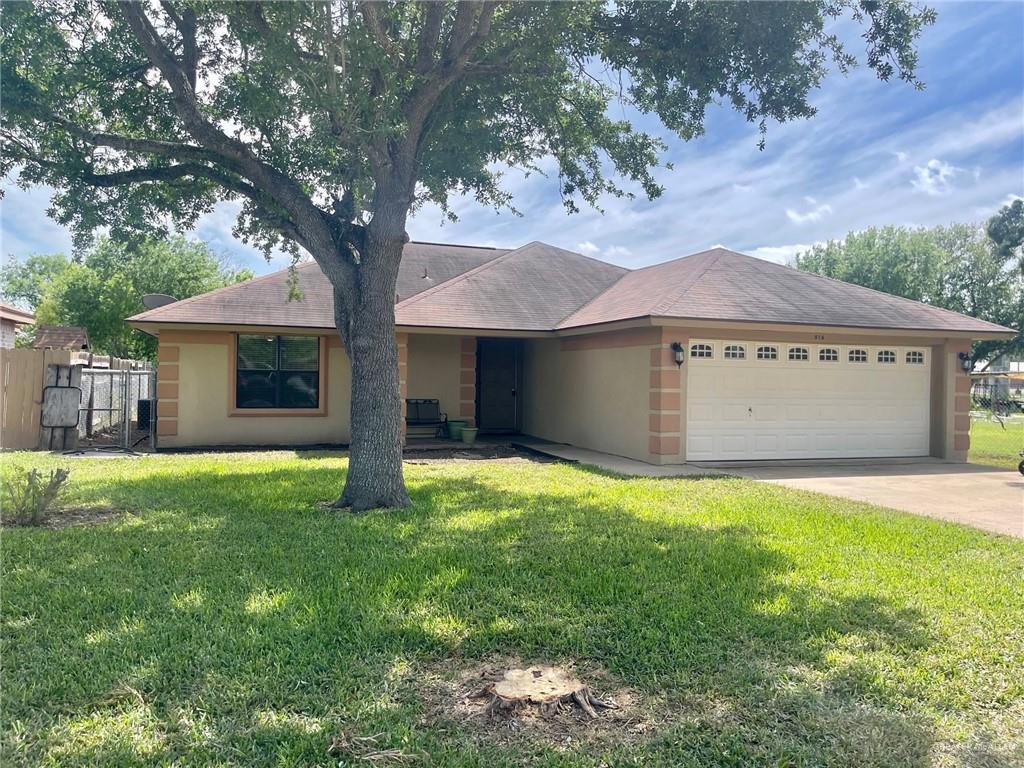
{"x": 751, "y": 409}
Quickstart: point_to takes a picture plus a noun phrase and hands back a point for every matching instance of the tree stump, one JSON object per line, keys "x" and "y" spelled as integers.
{"x": 550, "y": 689}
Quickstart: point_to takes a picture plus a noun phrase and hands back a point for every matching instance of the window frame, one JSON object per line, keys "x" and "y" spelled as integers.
{"x": 860, "y": 361}
{"x": 823, "y": 350}
{"x": 771, "y": 352}
{"x": 734, "y": 345}
{"x": 919, "y": 353}
{"x": 703, "y": 346}
{"x": 322, "y": 365}
{"x": 805, "y": 350}
{"x": 880, "y": 361}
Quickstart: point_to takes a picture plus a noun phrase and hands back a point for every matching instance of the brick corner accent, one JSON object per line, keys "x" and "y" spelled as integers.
{"x": 467, "y": 379}
{"x": 665, "y": 418}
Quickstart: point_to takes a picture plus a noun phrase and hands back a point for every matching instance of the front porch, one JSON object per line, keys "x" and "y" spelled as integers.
{"x": 475, "y": 380}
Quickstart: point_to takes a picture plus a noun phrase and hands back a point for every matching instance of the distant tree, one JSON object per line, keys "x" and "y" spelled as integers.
{"x": 107, "y": 285}
{"x": 330, "y": 121}
{"x": 958, "y": 267}
{"x": 22, "y": 282}
{"x": 1006, "y": 229}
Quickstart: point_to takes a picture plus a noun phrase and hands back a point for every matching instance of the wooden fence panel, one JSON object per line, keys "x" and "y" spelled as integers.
{"x": 21, "y": 373}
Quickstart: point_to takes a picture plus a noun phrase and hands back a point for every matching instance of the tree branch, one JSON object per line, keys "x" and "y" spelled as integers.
{"x": 319, "y": 237}
{"x": 374, "y": 25}
{"x": 430, "y": 34}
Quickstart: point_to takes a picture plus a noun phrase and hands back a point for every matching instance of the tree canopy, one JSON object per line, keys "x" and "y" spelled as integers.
{"x": 107, "y": 284}
{"x": 958, "y": 267}
{"x": 301, "y": 110}
{"x": 332, "y": 121}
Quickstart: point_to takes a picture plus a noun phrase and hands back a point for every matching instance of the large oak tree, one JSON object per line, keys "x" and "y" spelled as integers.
{"x": 331, "y": 121}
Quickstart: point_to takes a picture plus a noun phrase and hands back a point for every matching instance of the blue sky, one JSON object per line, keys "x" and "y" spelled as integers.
{"x": 876, "y": 153}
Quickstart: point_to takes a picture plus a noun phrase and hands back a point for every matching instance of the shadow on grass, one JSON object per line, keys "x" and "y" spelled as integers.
{"x": 237, "y": 621}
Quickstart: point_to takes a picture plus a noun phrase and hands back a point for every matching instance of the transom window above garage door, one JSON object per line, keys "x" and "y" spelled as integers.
{"x": 799, "y": 353}
{"x": 914, "y": 357}
{"x": 858, "y": 356}
{"x": 886, "y": 357}
{"x": 705, "y": 351}
{"x": 767, "y": 353}
{"x": 734, "y": 352}
{"x": 828, "y": 355}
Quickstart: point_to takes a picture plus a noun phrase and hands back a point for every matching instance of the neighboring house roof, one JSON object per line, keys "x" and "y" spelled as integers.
{"x": 60, "y": 337}
{"x": 15, "y": 315}
{"x": 542, "y": 288}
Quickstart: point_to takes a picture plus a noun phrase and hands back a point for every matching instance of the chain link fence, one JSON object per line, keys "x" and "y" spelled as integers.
{"x": 997, "y": 422}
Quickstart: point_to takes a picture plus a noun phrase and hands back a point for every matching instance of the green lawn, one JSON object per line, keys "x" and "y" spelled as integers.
{"x": 997, "y": 444}
{"x": 230, "y": 620}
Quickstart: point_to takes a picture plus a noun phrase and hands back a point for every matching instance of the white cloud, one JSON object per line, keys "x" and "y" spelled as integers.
{"x": 810, "y": 215}
{"x": 617, "y": 252}
{"x": 934, "y": 177}
{"x": 780, "y": 254}
{"x": 901, "y": 156}
{"x": 587, "y": 248}
{"x": 858, "y": 184}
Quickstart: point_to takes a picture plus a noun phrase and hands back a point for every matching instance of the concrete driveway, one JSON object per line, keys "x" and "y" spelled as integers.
{"x": 985, "y": 497}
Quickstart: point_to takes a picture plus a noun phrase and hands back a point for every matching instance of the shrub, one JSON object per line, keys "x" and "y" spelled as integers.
{"x": 28, "y": 495}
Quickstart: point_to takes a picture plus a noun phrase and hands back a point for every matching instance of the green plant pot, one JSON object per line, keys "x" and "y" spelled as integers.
{"x": 469, "y": 435}
{"x": 455, "y": 429}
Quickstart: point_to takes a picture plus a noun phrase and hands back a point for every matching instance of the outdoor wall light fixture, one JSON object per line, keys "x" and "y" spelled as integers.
{"x": 965, "y": 362}
{"x": 678, "y": 353}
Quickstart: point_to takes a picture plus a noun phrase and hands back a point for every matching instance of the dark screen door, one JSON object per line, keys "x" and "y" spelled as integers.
{"x": 497, "y": 362}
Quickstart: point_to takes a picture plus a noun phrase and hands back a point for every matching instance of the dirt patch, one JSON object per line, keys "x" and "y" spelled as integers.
{"x": 72, "y": 517}
{"x": 505, "y": 454}
{"x": 452, "y": 694}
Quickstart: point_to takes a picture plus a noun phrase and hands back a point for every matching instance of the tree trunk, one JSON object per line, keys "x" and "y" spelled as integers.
{"x": 367, "y": 330}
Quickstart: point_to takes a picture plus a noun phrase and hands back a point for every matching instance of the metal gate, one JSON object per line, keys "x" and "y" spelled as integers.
{"x": 118, "y": 409}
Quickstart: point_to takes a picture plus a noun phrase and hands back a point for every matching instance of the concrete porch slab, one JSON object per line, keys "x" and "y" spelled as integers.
{"x": 606, "y": 461}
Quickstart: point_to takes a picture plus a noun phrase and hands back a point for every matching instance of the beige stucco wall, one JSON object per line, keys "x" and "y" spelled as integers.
{"x": 594, "y": 398}
{"x": 203, "y": 402}
{"x": 434, "y": 370}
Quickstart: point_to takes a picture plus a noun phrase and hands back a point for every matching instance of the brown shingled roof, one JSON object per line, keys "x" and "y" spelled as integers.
{"x": 542, "y": 288}
{"x": 264, "y": 300}
{"x": 60, "y": 337}
{"x": 720, "y": 284}
{"x": 528, "y": 289}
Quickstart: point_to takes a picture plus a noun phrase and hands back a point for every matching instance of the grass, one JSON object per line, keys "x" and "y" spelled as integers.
{"x": 230, "y": 620}
{"x": 997, "y": 444}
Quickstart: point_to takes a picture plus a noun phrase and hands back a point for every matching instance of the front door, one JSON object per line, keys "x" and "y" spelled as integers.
{"x": 497, "y": 365}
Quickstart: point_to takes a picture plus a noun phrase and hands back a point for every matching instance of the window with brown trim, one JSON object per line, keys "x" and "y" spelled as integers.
{"x": 277, "y": 371}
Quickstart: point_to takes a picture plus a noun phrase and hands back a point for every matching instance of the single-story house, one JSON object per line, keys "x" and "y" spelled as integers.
{"x": 715, "y": 356}
{"x": 10, "y": 318}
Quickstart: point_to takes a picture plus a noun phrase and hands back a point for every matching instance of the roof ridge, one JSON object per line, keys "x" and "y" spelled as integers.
{"x": 461, "y": 245}
{"x": 462, "y": 276}
{"x": 687, "y": 284}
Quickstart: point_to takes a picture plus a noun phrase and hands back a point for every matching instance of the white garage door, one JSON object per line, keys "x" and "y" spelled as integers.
{"x": 766, "y": 400}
